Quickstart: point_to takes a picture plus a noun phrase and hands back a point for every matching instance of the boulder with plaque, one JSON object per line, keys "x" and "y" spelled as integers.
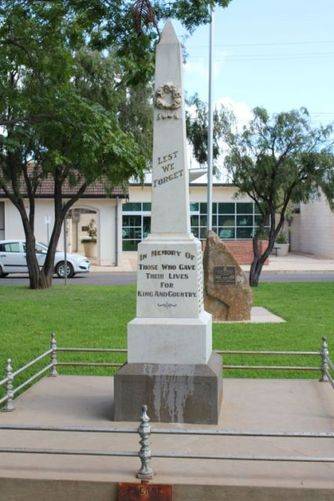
{"x": 227, "y": 295}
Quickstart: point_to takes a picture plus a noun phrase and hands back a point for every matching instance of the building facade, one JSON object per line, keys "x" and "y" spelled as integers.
{"x": 312, "y": 229}
{"x": 97, "y": 208}
{"x": 121, "y": 219}
{"x": 233, "y": 219}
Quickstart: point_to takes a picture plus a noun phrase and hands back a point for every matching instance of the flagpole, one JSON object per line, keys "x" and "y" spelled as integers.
{"x": 210, "y": 128}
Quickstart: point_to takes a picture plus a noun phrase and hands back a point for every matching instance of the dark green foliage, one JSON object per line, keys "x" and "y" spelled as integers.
{"x": 74, "y": 98}
{"x": 197, "y": 130}
{"x": 191, "y": 13}
{"x": 60, "y": 100}
{"x": 278, "y": 160}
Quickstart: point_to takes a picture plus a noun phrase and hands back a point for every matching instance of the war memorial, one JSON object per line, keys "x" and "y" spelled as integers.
{"x": 199, "y": 437}
{"x": 171, "y": 365}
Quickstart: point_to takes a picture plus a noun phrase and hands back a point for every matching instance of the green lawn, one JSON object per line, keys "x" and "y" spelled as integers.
{"x": 94, "y": 316}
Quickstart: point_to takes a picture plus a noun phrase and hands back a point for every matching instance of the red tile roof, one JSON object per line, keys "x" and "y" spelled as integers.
{"x": 99, "y": 189}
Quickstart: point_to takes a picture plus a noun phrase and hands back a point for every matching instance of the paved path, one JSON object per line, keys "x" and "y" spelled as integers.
{"x": 292, "y": 263}
{"x": 250, "y": 405}
{"x": 114, "y": 278}
{"x": 300, "y": 276}
{"x": 298, "y": 263}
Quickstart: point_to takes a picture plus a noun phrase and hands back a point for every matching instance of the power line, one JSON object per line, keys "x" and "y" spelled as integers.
{"x": 268, "y": 44}
{"x": 266, "y": 57}
{"x": 324, "y": 114}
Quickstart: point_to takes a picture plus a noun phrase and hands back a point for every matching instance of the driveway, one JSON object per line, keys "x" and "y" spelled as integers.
{"x": 117, "y": 278}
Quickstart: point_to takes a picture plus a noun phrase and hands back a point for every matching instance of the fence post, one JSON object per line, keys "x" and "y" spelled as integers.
{"x": 145, "y": 472}
{"x": 9, "y": 387}
{"x": 324, "y": 360}
{"x": 53, "y": 346}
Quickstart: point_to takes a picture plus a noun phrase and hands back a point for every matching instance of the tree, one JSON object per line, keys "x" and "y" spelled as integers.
{"x": 70, "y": 72}
{"x": 277, "y": 161}
{"x": 197, "y": 130}
{"x": 59, "y": 109}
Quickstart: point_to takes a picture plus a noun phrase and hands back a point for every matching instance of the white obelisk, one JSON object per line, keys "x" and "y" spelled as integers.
{"x": 171, "y": 326}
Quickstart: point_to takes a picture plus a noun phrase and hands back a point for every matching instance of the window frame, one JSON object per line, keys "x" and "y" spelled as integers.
{"x": 234, "y": 211}
{"x": 142, "y": 213}
{"x": 198, "y": 209}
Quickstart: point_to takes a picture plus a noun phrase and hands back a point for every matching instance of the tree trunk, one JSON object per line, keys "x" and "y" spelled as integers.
{"x": 60, "y": 212}
{"x": 32, "y": 263}
{"x": 256, "y": 267}
{"x": 259, "y": 259}
{"x": 48, "y": 268}
{"x": 40, "y": 278}
{"x": 255, "y": 271}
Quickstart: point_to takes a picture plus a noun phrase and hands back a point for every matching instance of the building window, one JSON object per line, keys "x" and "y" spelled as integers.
{"x": 136, "y": 224}
{"x": 2, "y": 220}
{"x": 231, "y": 220}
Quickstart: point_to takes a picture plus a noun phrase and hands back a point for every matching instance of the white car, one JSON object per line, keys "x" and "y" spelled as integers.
{"x": 13, "y": 259}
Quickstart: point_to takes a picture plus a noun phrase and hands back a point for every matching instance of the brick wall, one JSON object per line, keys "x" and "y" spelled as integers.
{"x": 242, "y": 250}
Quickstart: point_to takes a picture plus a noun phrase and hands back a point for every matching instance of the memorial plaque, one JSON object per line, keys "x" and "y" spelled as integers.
{"x": 144, "y": 492}
{"x": 168, "y": 282}
{"x": 224, "y": 275}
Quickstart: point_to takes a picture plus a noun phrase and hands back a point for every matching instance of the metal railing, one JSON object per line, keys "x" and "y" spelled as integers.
{"x": 144, "y": 431}
{"x": 326, "y": 367}
{"x": 145, "y": 454}
{"x": 8, "y": 381}
{"x": 326, "y": 363}
{"x": 273, "y": 353}
{"x": 91, "y": 350}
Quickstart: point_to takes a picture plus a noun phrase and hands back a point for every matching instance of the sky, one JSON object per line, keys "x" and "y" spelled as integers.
{"x": 273, "y": 53}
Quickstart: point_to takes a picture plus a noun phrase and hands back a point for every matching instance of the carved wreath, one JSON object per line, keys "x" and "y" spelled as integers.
{"x": 168, "y": 90}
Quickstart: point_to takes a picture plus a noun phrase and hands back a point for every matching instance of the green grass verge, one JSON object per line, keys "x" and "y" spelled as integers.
{"x": 96, "y": 316}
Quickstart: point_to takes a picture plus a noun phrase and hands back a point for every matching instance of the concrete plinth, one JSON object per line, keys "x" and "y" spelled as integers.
{"x": 174, "y": 393}
{"x": 170, "y": 340}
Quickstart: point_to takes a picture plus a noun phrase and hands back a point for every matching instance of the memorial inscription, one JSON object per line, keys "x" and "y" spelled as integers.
{"x": 165, "y": 115}
{"x": 224, "y": 275}
{"x": 166, "y": 165}
{"x": 167, "y": 273}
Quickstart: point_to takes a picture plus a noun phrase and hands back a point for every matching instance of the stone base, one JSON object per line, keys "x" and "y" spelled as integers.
{"x": 170, "y": 340}
{"x": 173, "y": 393}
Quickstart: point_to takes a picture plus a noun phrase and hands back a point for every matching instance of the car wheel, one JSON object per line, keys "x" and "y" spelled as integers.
{"x": 60, "y": 270}
{"x": 2, "y": 274}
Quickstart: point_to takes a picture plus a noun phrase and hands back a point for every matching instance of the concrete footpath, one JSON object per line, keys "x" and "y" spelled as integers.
{"x": 291, "y": 263}
{"x": 249, "y": 405}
